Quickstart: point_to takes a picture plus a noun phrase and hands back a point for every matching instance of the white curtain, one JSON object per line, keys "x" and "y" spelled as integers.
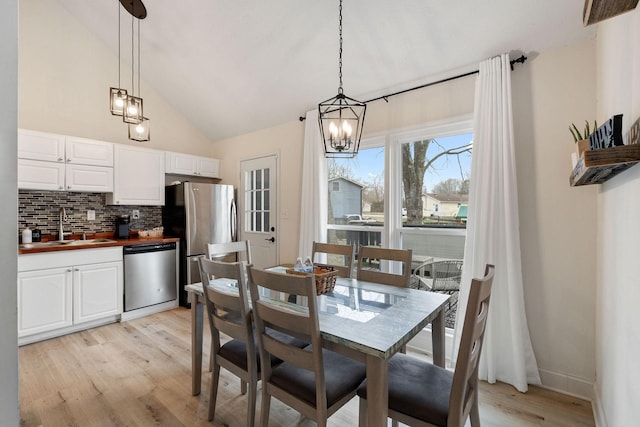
{"x": 313, "y": 202}
{"x": 493, "y": 233}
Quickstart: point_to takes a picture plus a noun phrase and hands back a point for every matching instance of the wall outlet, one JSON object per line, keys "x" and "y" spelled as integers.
{"x": 135, "y": 214}
{"x": 91, "y": 215}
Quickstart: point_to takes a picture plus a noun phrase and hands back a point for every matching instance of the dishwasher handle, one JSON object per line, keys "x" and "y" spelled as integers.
{"x": 152, "y": 247}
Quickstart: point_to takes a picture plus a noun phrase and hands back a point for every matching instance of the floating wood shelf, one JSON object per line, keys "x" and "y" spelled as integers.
{"x": 598, "y": 166}
{"x": 599, "y": 10}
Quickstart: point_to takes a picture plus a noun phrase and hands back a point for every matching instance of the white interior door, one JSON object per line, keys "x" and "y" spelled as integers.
{"x": 258, "y": 209}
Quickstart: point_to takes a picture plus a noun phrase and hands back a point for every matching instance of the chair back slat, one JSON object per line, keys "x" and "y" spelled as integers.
{"x": 465, "y": 379}
{"x": 221, "y": 251}
{"x": 340, "y": 257}
{"x": 368, "y": 253}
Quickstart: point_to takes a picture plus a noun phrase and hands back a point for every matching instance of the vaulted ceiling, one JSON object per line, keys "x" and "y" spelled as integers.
{"x": 235, "y": 66}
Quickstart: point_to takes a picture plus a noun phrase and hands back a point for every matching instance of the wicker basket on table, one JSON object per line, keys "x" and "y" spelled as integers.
{"x": 325, "y": 276}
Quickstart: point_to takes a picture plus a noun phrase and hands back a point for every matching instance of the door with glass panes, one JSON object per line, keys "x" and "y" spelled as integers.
{"x": 258, "y": 189}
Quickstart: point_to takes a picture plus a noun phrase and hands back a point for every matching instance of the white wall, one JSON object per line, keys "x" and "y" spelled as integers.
{"x": 65, "y": 74}
{"x": 618, "y": 290}
{"x": 550, "y": 91}
{"x": 8, "y": 214}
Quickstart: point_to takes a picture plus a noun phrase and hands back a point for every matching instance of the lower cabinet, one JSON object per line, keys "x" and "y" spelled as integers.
{"x": 60, "y": 296}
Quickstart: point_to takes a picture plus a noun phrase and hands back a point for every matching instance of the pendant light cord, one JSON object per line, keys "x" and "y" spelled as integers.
{"x": 139, "y": 87}
{"x": 340, "y": 90}
{"x": 119, "y": 81}
{"x": 133, "y": 88}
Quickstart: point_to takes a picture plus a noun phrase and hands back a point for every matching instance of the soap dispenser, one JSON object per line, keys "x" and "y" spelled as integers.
{"x": 26, "y": 235}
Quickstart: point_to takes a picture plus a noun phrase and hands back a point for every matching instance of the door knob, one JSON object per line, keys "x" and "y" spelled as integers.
{"x": 273, "y": 239}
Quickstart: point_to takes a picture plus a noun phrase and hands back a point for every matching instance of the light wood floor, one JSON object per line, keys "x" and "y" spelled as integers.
{"x": 138, "y": 373}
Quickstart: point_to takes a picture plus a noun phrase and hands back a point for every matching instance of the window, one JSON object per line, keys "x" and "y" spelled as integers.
{"x": 427, "y": 173}
{"x": 256, "y": 196}
{"x": 335, "y": 186}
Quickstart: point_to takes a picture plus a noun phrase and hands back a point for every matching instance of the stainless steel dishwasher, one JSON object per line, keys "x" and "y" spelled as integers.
{"x": 149, "y": 275}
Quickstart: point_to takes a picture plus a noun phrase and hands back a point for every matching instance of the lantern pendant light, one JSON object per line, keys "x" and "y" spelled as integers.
{"x": 117, "y": 95}
{"x": 133, "y": 107}
{"x": 341, "y": 118}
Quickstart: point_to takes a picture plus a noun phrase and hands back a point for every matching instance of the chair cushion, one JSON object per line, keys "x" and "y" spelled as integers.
{"x": 341, "y": 375}
{"x": 235, "y": 350}
{"x": 418, "y": 389}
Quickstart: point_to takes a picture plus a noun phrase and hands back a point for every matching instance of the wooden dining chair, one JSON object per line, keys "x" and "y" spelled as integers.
{"x": 222, "y": 251}
{"x": 368, "y": 256}
{"x": 314, "y": 381}
{"x": 228, "y": 312}
{"x": 423, "y": 394}
{"x": 229, "y": 252}
{"x": 344, "y": 253}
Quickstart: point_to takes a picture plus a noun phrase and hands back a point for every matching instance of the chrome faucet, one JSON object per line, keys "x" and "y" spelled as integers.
{"x": 63, "y": 217}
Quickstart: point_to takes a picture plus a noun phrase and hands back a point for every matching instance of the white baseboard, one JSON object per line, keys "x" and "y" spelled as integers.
{"x": 567, "y": 384}
{"x": 146, "y": 311}
{"x": 598, "y": 410}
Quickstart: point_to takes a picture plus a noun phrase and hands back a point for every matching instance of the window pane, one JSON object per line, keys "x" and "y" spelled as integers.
{"x": 356, "y": 189}
{"x": 435, "y": 181}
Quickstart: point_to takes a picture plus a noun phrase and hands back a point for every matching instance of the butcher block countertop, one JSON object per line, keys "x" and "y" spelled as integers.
{"x": 96, "y": 240}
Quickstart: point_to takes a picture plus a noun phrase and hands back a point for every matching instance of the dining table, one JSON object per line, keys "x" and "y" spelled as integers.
{"x": 366, "y": 321}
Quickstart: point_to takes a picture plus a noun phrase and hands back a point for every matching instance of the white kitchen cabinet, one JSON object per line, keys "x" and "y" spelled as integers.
{"x": 187, "y": 164}
{"x": 56, "y": 162}
{"x": 84, "y": 151}
{"x": 138, "y": 176}
{"x": 67, "y": 291}
{"x": 44, "y": 300}
{"x": 44, "y": 146}
{"x": 39, "y": 175}
{"x": 96, "y": 179}
{"x": 97, "y": 291}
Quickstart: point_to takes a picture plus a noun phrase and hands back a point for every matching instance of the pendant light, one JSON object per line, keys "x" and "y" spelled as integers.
{"x": 117, "y": 95}
{"x": 121, "y": 102}
{"x": 341, "y": 118}
{"x": 133, "y": 106}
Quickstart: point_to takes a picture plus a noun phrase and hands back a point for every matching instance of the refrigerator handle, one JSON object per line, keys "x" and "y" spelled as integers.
{"x": 234, "y": 221}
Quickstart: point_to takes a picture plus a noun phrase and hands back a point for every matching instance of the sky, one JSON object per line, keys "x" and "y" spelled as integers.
{"x": 369, "y": 163}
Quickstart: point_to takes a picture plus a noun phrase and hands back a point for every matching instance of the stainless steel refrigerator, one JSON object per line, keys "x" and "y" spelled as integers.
{"x": 199, "y": 214}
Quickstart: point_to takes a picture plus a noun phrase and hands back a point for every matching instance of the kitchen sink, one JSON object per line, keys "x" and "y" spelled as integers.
{"x": 55, "y": 243}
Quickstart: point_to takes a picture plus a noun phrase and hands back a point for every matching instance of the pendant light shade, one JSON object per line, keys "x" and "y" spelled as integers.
{"x": 117, "y": 100}
{"x": 341, "y": 118}
{"x": 133, "y": 110}
{"x": 141, "y": 131}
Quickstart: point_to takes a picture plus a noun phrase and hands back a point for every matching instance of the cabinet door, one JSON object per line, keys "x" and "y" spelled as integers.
{"x": 181, "y": 164}
{"x": 97, "y": 291}
{"x": 40, "y": 146}
{"x": 208, "y": 167}
{"x": 88, "y": 152}
{"x": 38, "y": 175}
{"x": 44, "y": 300}
{"x": 95, "y": 179}
{"x": 138, "y": 176}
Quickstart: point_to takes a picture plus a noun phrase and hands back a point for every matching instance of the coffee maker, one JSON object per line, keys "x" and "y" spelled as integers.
{"x": 122, "y": 227}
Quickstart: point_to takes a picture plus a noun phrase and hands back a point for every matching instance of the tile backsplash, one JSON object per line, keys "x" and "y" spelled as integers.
{"x": 41, "y": 209}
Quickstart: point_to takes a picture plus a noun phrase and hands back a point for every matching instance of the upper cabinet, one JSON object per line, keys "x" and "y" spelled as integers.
{"x": 138, "y": 176}
{"x": 186, "y": 164}
{"x": 48, "y": 161}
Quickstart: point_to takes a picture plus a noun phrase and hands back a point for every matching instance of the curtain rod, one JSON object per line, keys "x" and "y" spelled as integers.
{"x": 520, "y": 60}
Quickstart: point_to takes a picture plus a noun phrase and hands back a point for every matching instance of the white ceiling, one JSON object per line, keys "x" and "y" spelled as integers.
{"x": 235, "y": 66}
